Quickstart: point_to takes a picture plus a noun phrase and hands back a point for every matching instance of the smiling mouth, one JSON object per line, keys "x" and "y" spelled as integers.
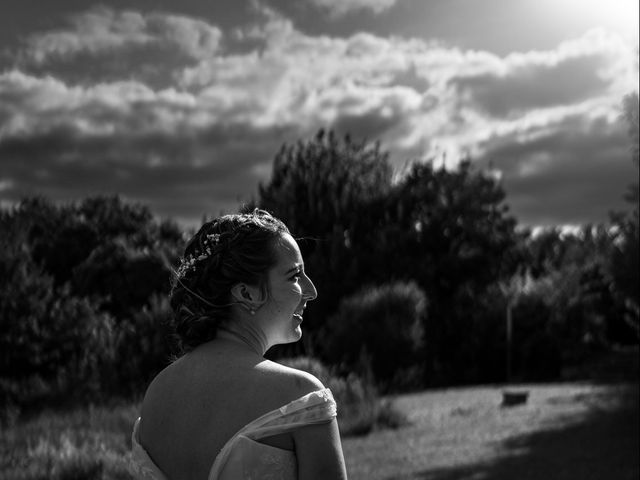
{"x": 298, "y": 313}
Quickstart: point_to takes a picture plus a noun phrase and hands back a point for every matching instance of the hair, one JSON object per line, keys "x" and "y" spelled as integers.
{"x": 226, "y": 251}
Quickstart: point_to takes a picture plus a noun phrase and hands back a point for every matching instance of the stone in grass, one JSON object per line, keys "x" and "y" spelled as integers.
{"x": 511, "y": 398}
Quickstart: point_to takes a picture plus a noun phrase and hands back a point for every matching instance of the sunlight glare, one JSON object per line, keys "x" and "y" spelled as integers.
{"x": 618, "y": 15}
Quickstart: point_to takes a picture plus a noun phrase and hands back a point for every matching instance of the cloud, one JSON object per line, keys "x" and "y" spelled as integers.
{"x": 580, "y": 69}
{"x": 575, "y": 172}
{"x": 179, "y": 175}
{"x": 206, "y": 135}
{"x": 102, "y": 29}
{"x": 339, "y": 8}
{"x": 334, "y": 9}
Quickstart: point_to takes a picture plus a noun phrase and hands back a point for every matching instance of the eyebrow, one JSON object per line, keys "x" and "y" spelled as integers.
{"x": 296, "y": 268}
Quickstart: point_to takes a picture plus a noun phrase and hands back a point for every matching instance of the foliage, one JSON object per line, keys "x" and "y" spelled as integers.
{"x": 125, "y": 277}
{"x": 316, "y": 185}
{"x": 380, "y": 326}
{"x": 83, "y": 286}
{"x": 580, "y": 271}
{"x": 53, "y": 345}
{"x": 360, "y": 408}
{"x": 625, "y": 267}
{"x": 625, "y": 259}
{"x": 79, "y": 317}
{"x": 142, "y": 344}
{"x": 449, "y": 230}
{"x": 325, "y": 190}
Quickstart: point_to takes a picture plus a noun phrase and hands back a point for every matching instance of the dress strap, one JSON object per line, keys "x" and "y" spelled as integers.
{"x": 313, "y": 408}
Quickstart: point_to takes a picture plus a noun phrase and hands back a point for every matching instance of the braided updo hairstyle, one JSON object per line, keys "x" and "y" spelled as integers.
{"x": 226, "y": 251}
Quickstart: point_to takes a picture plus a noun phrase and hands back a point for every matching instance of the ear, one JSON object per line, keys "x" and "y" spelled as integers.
{"x": 251, "y": 297}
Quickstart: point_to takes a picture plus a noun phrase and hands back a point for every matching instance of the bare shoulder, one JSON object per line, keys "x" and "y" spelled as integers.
{"x": 289, "y": 383}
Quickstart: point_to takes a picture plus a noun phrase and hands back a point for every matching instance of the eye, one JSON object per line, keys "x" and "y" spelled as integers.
{"x": 296, "y": 276}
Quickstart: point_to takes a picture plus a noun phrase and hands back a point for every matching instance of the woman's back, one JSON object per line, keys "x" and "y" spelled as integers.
{"x": 204, "y": 398}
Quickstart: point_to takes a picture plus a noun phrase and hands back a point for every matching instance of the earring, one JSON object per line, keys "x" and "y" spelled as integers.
{"x": 252, "y": 311}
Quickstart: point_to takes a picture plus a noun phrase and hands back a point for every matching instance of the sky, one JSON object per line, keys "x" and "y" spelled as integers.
{"x": 182, "y": 105}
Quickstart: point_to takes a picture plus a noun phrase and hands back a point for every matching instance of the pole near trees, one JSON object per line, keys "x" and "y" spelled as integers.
{"x": 509, "y": 335}
{"x": 512, "y": 290}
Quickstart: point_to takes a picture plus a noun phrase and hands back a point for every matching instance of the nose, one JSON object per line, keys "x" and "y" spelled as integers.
{"x": 309, "y": 292}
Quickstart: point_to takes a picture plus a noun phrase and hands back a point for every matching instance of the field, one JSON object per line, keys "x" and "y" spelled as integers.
{"x": 564, "y": 431}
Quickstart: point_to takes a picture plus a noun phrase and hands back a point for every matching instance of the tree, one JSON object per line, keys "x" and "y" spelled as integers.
{"x": 52, "y": 344}
{"x": 625, "y": 259}
{"x": 326, "y": 190}
{"x": 450, "y": 231}
{"x": 79, "y": 286}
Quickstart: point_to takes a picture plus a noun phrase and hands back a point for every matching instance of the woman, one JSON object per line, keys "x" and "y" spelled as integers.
{"x": 221, "y": 411}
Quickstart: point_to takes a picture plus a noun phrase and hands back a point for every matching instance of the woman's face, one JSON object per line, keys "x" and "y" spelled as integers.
{"x": 289, "y": 291}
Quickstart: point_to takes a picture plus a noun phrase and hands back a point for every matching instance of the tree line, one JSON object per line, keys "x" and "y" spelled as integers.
{"x": 415, "y": 272}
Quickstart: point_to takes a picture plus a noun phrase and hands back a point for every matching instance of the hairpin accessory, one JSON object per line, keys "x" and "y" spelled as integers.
{"x": 188, "y": 263}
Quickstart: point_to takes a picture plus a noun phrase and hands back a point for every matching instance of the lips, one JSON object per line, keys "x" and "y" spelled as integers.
{"x": 298, "y": 313}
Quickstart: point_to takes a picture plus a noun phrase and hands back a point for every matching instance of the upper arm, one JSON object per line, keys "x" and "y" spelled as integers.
{"x": 318, "y": 446}
{"x": 319, "y": 452}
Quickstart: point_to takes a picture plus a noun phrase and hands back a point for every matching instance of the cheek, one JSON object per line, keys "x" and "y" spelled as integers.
{"x": 296, "y": 289}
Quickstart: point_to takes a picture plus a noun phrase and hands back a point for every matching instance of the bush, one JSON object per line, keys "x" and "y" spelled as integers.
{"x": 127, "y": 277}
{"x": 360, "y": 408}
{"x": 542, "y": 358}
{"x": 380, "y": 328}
{"x": 53, "y": 345}
{"x": 142, "y": 346}
{"x": 80, "y": 308}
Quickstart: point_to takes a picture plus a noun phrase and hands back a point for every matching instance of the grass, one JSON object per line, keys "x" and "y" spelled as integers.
{"x": 564, "y": 431}
{"x": 85, "y": 444}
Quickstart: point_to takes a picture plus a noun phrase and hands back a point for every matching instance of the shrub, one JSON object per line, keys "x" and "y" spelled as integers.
{"x": 142, "y": 345}
{"x": 360, "y": 408}
{"x": 53, "y": 345}
{"x": 542, "y": 358}
{"x": 126, "y": 276}
{"x": 380, "y": 328}
{"x": 80, "y": 314}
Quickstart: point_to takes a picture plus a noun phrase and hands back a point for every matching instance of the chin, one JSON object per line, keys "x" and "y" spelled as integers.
{"x": 295, "y": 335}
{"x": 292, "y": 337}
{"x": 298, "y": 333}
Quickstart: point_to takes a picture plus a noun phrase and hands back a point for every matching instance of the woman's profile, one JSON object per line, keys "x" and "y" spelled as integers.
{"x": 222, "y": 411}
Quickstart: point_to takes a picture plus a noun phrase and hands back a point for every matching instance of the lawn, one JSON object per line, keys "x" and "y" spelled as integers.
{"x": 564, "y": 431}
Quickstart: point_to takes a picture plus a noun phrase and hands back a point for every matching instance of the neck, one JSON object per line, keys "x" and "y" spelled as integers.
{"x": 246, "y": 334}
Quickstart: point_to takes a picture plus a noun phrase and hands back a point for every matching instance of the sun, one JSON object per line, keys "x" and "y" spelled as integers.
{"x": 620, "y": 16}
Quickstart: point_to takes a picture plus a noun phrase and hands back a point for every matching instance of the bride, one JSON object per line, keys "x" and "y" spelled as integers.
{"x": 222, "y": 411}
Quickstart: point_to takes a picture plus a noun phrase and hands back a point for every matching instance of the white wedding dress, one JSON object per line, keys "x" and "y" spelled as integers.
{"x": 243, "y": 457}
